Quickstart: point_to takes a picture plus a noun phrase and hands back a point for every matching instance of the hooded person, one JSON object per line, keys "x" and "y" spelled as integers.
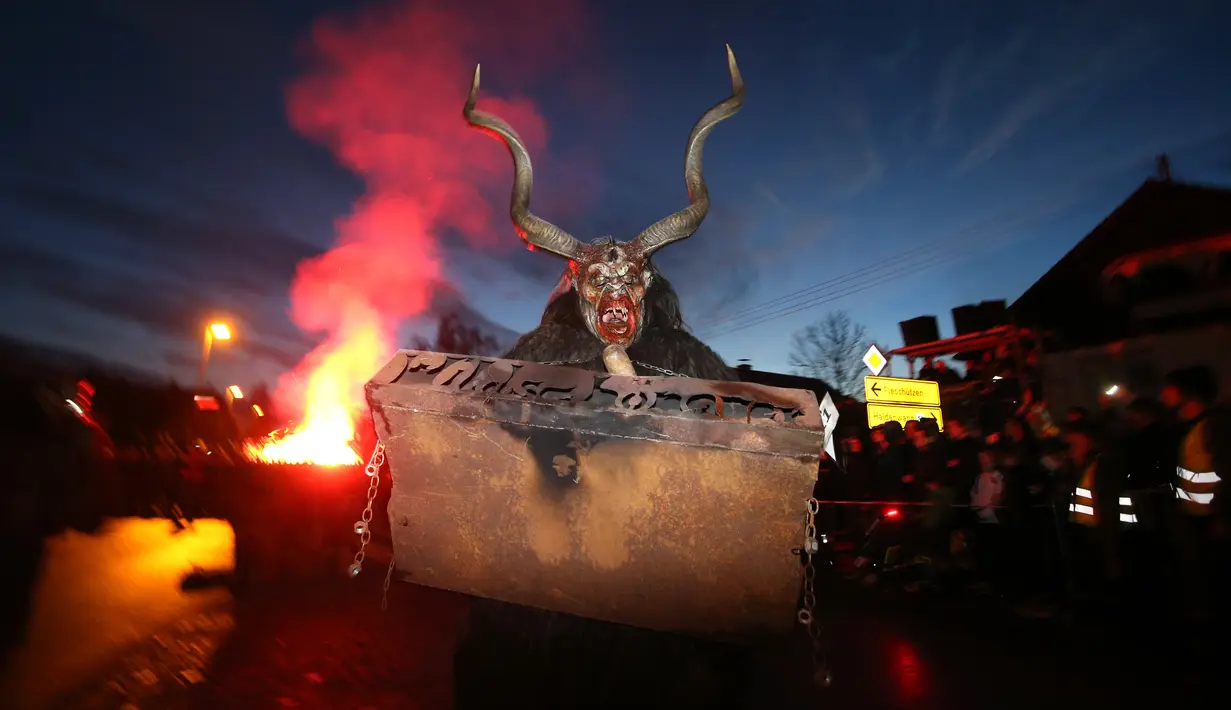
{"x": 612, "y": 310}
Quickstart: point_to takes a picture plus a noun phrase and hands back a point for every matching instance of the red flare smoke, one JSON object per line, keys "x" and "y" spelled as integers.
{"x": 384, "y": 93}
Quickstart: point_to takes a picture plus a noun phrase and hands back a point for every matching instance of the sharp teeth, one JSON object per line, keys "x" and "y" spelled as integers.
{"x": 615, "y": 314}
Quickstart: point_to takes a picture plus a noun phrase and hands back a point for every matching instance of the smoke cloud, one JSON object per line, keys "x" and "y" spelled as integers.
{"x": 384, "y": 92}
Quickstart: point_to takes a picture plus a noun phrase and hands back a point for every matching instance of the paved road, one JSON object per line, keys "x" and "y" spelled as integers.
{"x": 329, "y": 645}
{"x": 98, "y": 594}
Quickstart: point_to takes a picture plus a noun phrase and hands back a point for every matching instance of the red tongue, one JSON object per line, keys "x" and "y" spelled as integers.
{"x": 614, "y": 324}
{"x": 616, "y": 318}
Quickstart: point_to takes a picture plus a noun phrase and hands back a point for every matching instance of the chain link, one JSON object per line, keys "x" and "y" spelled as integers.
{"x": 656, "y": 368}
{"x": 807, "y": 609}
{"x": 363, "y": 527}
{"x": 646, "y": 365}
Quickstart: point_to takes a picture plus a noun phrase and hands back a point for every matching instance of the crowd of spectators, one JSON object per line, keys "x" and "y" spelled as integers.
{"x": 1004, "y": 500}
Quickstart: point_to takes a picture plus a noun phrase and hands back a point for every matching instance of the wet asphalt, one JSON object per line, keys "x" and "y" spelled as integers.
{"x": 112, "y": 626}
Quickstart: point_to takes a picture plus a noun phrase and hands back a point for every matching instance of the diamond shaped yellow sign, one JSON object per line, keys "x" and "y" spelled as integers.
{"x": 875, "y": 360}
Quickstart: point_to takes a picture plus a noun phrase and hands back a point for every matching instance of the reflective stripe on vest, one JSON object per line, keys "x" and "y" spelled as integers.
{"x": 1196, "y": 479}
{"x": 1083, "y": 509}
{"x": 1084, "y": 512}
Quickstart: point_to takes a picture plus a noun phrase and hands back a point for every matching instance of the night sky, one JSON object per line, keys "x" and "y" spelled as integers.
{"x": 166, "y": 161}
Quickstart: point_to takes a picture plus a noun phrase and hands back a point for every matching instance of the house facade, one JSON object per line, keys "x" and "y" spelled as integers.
{"x": 1147, "y": 291}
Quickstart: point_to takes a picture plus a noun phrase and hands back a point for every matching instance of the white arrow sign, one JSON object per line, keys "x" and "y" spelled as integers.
{"x": 829, "y": 419}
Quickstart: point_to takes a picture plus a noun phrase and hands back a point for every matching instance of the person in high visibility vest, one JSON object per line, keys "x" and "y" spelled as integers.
{"x": 1190, "y": 393}
{"x": 1203, "y": 462}
{"x": 1097, "y": 512}
{"x": 1092, "y": 494}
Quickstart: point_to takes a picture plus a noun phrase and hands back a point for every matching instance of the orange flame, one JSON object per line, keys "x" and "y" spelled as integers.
{"x": 333, "y": 399}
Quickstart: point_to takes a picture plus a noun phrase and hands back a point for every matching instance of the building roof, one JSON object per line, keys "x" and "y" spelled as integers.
{"x": 1159, "y": 214}
{"x": 983, "y": 340}
{"x": 778, "y": 379}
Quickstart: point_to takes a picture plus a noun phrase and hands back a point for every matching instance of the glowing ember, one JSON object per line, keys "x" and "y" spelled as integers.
{"x": 333, "y": 400}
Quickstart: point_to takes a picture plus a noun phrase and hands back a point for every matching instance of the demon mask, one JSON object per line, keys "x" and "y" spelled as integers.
{"x": 610, "y": 277}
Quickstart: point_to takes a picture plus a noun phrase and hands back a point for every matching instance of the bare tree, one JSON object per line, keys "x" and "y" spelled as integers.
{"x": 832, "y": 350}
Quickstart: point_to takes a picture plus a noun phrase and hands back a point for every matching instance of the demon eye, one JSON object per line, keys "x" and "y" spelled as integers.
{"x": 596, "y": 279}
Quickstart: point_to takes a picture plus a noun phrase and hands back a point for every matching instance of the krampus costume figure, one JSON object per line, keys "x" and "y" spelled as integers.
{"x": 610, "y": 293}
{"x": 611, "y": 301}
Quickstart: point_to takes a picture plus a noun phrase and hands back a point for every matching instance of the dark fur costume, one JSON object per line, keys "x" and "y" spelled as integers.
{"x": 562, "y": 337}
{"x": 515, "y": 656}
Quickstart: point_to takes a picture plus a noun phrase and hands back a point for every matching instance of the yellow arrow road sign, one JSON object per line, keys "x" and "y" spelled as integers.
{"x": 880, "y": 413}
{"x": 893, "y": 390}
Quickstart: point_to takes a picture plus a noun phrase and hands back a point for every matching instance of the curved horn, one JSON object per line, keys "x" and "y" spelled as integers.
{"x": 682, "y": 224}
{"x": 535, "y": 231}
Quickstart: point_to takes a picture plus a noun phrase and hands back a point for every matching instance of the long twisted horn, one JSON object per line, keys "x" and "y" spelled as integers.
{"x": 535, "y": 231}
{"x": 682, "y": 224}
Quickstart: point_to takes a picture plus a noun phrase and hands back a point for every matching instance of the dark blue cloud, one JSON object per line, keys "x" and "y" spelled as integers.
{"x": 148, "y": 177}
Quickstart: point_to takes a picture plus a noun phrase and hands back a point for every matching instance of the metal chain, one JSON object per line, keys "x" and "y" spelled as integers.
{"x": 807, "y": 610}
{"x": 646, "y": 365}
{"x": 363, "y": 527}
{"x": 384, "y": 594}
{"x": 656, "y": 368}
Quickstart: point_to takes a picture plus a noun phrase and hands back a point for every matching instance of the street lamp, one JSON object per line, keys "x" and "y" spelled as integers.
{"x": 213, "y": 331}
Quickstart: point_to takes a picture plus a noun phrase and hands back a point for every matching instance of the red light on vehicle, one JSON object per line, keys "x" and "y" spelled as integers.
{"x": 206, "y": 404}
{"x": 892, "y": 513}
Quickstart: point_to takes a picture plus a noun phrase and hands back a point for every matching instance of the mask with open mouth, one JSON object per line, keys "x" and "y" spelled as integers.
{"x": 612, "y": 283}
{"x": 611, "y": 277}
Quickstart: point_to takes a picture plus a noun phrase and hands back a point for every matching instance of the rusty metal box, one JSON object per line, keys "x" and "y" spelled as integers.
{"x": 661, "y": 502}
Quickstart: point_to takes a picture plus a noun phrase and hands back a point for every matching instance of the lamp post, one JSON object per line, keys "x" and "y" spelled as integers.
{"x": 213, "y": 331}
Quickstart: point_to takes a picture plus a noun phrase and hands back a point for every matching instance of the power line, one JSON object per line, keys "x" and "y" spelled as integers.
{"x": 973, "y": 230}
{"x": 952, "y": 241}
{"x": 841, "y": 288}
{"x": 902, "y": 270}
{"x": 886, "y": 270}
{"x": 772, "y": 309}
